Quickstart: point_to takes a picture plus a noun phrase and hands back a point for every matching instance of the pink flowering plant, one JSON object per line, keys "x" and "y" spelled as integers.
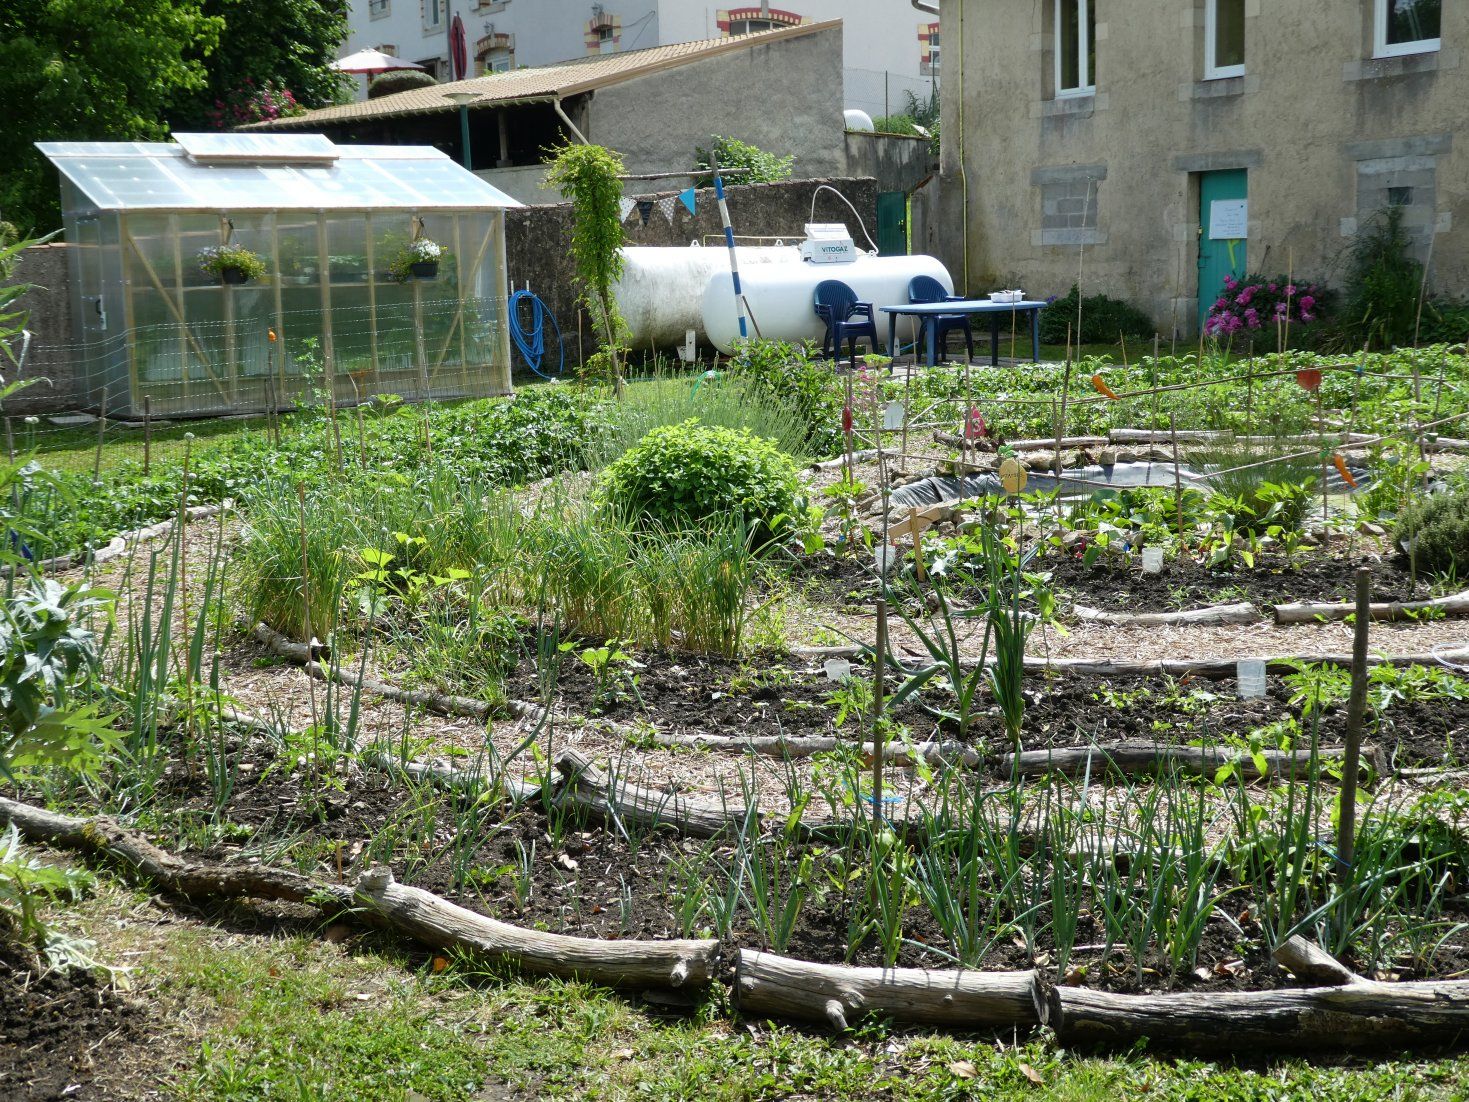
{"x": 253, "y": 102}
{"x": 1258, "y": 302}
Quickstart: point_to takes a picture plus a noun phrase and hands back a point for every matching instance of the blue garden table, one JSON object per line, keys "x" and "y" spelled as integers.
{"x": 929, "y": 312}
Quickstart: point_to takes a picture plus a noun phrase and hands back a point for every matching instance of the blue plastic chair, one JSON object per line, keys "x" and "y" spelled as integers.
{"x": 847, "y": 320}
{"x": 923, "y": 289}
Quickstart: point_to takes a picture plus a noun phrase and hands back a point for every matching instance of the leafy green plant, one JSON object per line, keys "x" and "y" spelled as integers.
{"x": 1103, "y": 320}
{"x": 793, "y": 375}
{"x": 1433, "y": 530}
{"x": 589, "y": 176}
{"x": 744, "y": 163}
{"x": 25, "y": 883}
{"x": 682, "y": 475}
{"x": 1382, "y": 286}
{"x": 48, "y": 655}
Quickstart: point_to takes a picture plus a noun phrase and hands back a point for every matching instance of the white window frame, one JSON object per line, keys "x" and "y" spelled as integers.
{"x": 436, "y": 24}
{"x": 379, "y": 9}
{"x": 1088, "y": 85}
{"x": 1380, "y": 45}
{"x": 1211, "y": 46}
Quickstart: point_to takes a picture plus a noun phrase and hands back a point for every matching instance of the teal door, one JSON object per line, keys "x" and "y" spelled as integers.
{"x": 892, "y": 223}
{"x": 1223, "y": 212}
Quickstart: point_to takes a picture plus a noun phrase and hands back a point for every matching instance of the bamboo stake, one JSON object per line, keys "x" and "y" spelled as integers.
{"x": 1356, "y": 711}
{"x": 1177, "y": 475}
{"x": 879, "y": 693}
{"x": 147, "y": 433}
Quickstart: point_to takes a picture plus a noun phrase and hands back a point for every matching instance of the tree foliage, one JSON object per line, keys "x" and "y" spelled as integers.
{"x": 94, "y": 70}
{"x": 285, "y": 45}
{"x": 744, "y": 163}
{"x": 588, "y": 175}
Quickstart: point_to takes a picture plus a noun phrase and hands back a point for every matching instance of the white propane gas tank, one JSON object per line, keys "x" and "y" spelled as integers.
{"x": 661, "y": 292}
{"x": 780, "y": 297}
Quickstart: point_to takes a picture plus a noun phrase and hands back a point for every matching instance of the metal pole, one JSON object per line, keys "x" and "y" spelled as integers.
{"x": 734, "y": 263}
{"x": 464, "y": 135}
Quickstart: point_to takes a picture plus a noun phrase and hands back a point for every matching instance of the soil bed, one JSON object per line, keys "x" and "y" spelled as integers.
{"x": 771, "y": 697}
{"x": 52, "y": 1026}
{"x": 1185, "y": 584}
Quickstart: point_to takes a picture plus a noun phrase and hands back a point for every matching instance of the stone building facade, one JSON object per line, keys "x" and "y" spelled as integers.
{"x": 1146, "y": 147}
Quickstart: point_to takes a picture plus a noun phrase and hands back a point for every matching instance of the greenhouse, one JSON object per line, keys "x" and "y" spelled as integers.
{"x": 236, "y": 273}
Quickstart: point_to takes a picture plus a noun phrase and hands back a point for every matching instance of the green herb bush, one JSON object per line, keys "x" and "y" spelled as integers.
{"x": 1434, "y": 530}
{"x": 1103, "y": 320}
{"x": 690, "y": 474}
{"x": 399, "y": 80}
{"x": 793, "y": 375}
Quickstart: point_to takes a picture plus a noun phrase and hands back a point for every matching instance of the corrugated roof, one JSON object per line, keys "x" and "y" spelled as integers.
{"x": 546, "y": 82}
{"x": 162, "y": 176}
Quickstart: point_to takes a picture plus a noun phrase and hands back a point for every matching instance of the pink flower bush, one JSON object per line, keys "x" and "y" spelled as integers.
{"x": 1250, "y": 304}
{"x": 254, "y": 104}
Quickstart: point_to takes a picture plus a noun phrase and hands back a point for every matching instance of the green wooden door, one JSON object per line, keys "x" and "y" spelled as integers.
{"x": 892, "y": 223}
{"x": 1223, "y": 209}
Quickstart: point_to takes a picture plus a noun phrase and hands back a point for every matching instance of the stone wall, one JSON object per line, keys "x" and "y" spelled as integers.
{"x": 537, "y": 238}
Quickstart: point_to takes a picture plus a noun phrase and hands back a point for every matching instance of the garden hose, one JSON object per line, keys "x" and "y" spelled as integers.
{"x": 532, "y": 342}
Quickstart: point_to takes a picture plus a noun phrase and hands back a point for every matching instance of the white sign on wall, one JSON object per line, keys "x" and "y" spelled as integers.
{"x": 1229, "y": 219}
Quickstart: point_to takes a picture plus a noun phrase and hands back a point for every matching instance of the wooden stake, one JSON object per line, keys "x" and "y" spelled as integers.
{"x": 1346, "y": 828}
{"x": 1177, "y": 475}
{"x": 918, "y": 568}
{"x": 147, "y": 433}
{"x": 101, "y": 432}
{"x": 879, "y": 692}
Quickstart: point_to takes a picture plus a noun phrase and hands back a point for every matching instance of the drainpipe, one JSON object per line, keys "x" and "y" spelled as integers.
{"x": 933, "y": 9}
{"x": 556, "y": 103}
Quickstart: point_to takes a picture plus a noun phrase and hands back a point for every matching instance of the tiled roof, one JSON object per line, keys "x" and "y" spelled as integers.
{"x": 543, "y": 83}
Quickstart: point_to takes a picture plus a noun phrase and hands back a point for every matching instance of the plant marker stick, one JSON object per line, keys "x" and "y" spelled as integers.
{"x": 1356, "y": 712}
{"x": 734, "y": 263}
{"x": 1065, "y": 395}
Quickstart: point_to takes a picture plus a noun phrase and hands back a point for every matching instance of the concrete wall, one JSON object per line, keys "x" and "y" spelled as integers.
{"x": 781, "y": 97}
{"x": 52, "y": 354}
{"x": 536, "y": 237}
{"x": 1322, "y": 128}
{"x": 898, "y": 162}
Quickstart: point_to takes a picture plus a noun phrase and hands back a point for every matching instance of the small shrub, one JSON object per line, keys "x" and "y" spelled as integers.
{"x": 1383, "y": 283}
{"x": 793, "y": 375}
{"x": 754, "y": 165}
{"x": 1434, "y": 530}
{"x": 688, "y": 474}
{"x": 399, "y": 80}
{"x": 1103, "y": 320}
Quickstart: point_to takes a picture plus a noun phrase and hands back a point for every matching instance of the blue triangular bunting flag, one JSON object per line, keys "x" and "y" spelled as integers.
{"x": 687, "y": 197}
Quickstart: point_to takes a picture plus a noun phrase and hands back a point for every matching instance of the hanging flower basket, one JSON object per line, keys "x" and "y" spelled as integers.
{"x": 233, "y": 264}
{"x": 418, "y": 259}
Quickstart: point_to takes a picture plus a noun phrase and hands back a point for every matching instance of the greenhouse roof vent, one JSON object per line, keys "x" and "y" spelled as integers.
{"x": 258, "y": 149}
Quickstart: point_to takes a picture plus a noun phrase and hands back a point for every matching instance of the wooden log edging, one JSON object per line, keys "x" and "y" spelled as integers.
{"x": 1212, "y": 668}
{"x": 446, "y": 704}
{"x": 1133, "y": 758}
{"x": 589, "y": 786}
{"x": 118, "y": 545}
{"x": 377, "y": 897}
{"x": 1348, "y": 1016}
{"x": 1241, "y": 612}
{"x": 840, "y": 994}
{"x": 1309, "y": 612}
